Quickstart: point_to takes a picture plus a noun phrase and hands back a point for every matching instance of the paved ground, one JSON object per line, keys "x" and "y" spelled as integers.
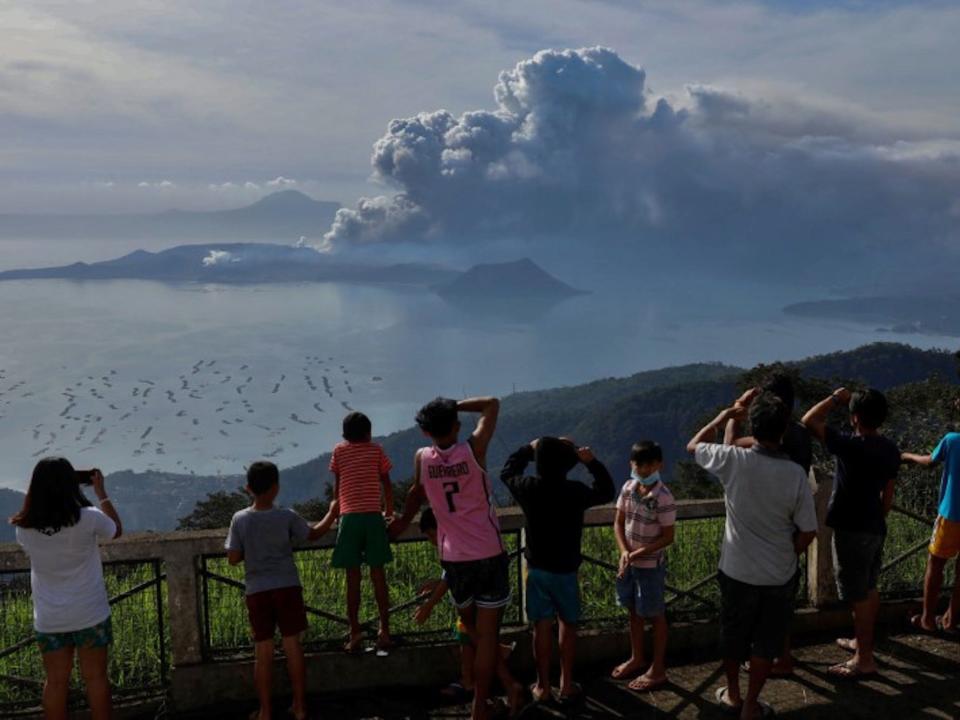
{"x": 919, "y": 678}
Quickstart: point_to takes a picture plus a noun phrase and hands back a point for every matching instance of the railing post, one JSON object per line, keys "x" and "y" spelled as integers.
{"x": 183, "y": 599}
{"x": 522, "y": 580}
{"x": 821, "y": 583}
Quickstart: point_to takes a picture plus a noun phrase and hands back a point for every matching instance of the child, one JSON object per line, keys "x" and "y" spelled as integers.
{"x": 452, "y": 476}
{"x": 360, "y": 469}
{"x": 644, "y": 526}
{"x": 867, "y": 466}
{"x": 262, "y": 538}
{"x": 553, "y": 508}
{"x": 461, "y": 691}
{"x": 945, "y": 541}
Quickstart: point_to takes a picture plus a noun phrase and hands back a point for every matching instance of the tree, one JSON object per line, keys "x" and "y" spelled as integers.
{"x": 215, "y": 512}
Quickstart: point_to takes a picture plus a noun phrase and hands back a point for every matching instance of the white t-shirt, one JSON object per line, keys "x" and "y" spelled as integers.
{"x": 66, "y": 576}
{"x": 768, "y": 499}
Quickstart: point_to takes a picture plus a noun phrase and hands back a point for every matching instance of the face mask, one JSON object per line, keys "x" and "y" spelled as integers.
{"x": 651, "y": 479}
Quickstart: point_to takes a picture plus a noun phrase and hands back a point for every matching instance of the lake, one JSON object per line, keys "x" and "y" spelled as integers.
{"x": 141, "y": 375}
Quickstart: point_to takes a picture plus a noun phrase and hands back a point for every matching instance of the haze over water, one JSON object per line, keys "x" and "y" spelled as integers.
{"x": 141, "y": 375}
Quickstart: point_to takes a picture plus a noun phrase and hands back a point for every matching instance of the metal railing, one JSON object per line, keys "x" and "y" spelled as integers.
{"x": 139, "y": 657}
{"x": 202, "y": 618}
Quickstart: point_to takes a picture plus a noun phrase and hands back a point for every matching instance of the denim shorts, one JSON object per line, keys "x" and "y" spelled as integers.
{"x": 100, "y": 635}
{"x": 857, "y": 558}
{"x": 642, "y": 590}
{"x": 551, "y": 595}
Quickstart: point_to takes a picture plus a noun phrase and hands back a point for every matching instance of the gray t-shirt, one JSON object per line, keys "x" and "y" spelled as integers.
{"x": 266, "y": 539}
{"x": 768, "y": 499}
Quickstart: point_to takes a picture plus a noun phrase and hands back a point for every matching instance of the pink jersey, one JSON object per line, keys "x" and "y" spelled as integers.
{"x": 456, "y": 487}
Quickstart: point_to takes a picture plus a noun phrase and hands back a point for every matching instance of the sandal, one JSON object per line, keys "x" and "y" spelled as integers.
{"x": 574, "y": 698}
{"x": 845, "y": 671}
{"x": 721, "y": 696}
{"x": 951, "y": 631}
{"x": 642, "y": 684}
{"x": 457, "y": 693}
{"x": 916, "y": 624}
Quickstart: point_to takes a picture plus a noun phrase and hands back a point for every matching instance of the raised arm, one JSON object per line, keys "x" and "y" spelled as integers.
{"x": 816, "y": 418}
{"x": 106, "y": 504}
{"x": 708, "y": 432}
{"x": 489, "y": 409}
{"x": 512, "y": 474}
{"x": 601, "y": 490}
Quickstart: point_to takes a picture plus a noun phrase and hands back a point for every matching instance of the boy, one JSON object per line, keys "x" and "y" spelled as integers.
{"x": 262, "y": 538}
{"x": 644, "y": 527}
{"x": 867, "y": 466}
{"x": 945, "y": 541}
{"x": 553, "y": 508}
{"x": 461, "y": 691}
{"x": 770, "y": 521}
{"x": 360, "y": 469}
{"x": 452, "y": 476}
{"x": 798, "y": 446}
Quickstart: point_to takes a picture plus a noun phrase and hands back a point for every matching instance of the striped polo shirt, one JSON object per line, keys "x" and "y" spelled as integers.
{"x": 645, "y": 516}
{"x": 359, "y": 467}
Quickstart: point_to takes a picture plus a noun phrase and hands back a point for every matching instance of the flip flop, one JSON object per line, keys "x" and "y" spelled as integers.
{"x": 546, "y": 697}
{"x": 950, "y": 632}
{"x": 618, "y": 674}
{"x": 457, "y": 693}
{"x": 721, "y": 696}
{"x": 916, "y": 625}
{"x": 842, "y": 671}
{"x": 575, "y": 698}
{"x": 352, "y": 647}
{"x": 846, "y": 644}
{"x": 642, "y": 686}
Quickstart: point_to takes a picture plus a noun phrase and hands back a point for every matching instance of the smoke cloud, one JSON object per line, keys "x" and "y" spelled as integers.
{"x": 579, "y": 151}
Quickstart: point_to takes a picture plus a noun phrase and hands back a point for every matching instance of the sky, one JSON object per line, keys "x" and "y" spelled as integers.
{"x": 123, "y": 105}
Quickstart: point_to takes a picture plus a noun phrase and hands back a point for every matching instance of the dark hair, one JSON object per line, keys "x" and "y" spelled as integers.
{"x": 428, "y": 521}
{"x": 53, "y": 499}
{"x": 769, "y": 417}
{"x": 780, "y": 384}
{"x": 356, "y": 427}
{"x": 261, "y": 476}
{"x": 438, "y": 417}
{"x": 646, "y": 451}
{"x": 870, "y": 407}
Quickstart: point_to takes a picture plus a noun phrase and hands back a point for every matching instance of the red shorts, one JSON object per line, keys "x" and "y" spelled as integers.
{"x": 281, "y": 608}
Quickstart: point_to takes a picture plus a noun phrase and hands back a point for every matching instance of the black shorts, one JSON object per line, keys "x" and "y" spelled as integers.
{"x": 857, "y": 559}
{"x": 754, "y": 619}
{"x": 484, "y": 583}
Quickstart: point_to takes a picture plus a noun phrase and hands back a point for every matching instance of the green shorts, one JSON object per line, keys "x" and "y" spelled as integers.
{"x": 362, "y": 540}
{"x": 100, "y": 635}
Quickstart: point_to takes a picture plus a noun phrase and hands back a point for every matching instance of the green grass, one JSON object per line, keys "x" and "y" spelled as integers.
{"x": 135, "y": 657}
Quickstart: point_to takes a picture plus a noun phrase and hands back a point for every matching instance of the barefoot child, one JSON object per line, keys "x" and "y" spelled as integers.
{"x": 553, "y": 508}
{"x": 644, "y": 527}
{"x": 360, "y": 469}
{"x": 262, "y": 538}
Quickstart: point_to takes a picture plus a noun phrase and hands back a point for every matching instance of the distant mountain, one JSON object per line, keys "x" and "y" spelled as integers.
{"x": 521, "y": 278}
{"x": 609, "y": 415}
{"x": 237, "y": 263}
{"x": 284, "y": 215}
{"x": 906, "y": 314}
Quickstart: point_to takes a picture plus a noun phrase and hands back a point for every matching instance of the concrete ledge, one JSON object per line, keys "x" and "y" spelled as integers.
{"x": 430, "y": 666}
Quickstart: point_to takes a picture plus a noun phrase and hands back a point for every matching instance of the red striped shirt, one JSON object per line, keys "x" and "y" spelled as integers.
{"x": 358, "y": 467}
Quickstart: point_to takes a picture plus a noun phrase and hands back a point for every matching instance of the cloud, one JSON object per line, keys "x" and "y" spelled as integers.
{"x": 219, "y": 257}
{"x": 281, "y": 181}
{"x": 160, "y": 184}
{"x": 579, "y": 151}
